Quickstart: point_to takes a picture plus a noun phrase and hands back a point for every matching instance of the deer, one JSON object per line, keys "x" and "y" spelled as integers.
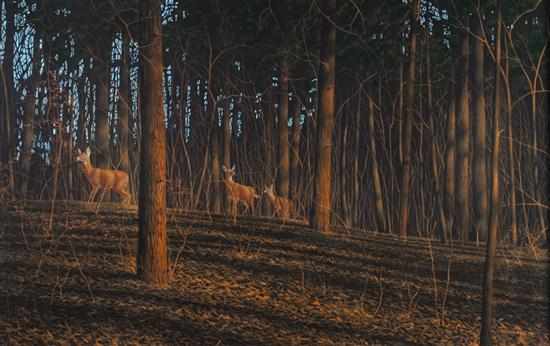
{"x": 282, "y": 206}
{"x": 106, "y": 179}
{"x": 238, "y": 193}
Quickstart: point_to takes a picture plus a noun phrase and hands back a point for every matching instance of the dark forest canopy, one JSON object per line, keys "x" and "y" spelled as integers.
{"x": 71, "y": 79}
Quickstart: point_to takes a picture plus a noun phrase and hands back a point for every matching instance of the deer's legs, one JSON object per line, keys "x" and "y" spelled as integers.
{"x": 94, "y": 191}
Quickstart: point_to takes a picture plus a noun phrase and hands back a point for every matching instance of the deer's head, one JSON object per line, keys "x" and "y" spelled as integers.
{"x": 84, "y": 157}
{"x": 229, "y": 172}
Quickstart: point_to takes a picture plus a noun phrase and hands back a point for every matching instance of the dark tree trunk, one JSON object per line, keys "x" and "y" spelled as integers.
{"x": 295, "y": 151}
{"x": 152, "y": 258}
{"x": 407, "y": 131}
{"x": 29, "y": 106}
{"x": 321, "y": 214}
{"x": 102, "y": 63}
{"x": 7, "y": 113}
{"x": 479, "y": 165}
{"x": 376, "y": 182}
{"x": 124, "y": 107}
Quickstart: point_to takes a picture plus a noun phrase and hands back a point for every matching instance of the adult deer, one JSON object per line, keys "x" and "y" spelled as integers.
{"x": 106, "y": 179}
{"x": 282, "y": 206}
{"x": 238, "y": 193}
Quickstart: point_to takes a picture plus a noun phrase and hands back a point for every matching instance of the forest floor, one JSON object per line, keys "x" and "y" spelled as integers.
{"x": 259, "y": 282}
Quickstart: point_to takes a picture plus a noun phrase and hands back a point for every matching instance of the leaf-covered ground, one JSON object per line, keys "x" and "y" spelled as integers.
{"x": 70, "y": 280}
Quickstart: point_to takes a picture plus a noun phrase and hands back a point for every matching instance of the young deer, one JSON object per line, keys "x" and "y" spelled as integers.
{"x": 106, "y": 179}
{"x": 238, "y": 193}
{"x": 282, "y": 206}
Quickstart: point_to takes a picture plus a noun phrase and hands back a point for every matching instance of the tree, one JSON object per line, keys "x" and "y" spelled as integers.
{"x": 487, "y": 298}
{"x": 462, "y": 215}
{"x": 478, "y": 98}
{"x": 101, "y": 73}
{"x": 409, "y": 113}
{"x": 29, "y": 105}
{"x": 323, "y": 164}
{"x": 124, "y": 106}
{"x": 7, "y": 93}
{"x": 152, "y": 260}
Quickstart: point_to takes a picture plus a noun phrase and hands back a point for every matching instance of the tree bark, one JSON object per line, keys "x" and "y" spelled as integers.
{"x": 295, "y": 151}
{"x": 124, "y": 107}
{"x": 463, "y": 140}
{"x": 479, "y": 162}
{"x": 487, "y": 299}
{"x": 7, "y": 113}
{"x": 29, "y": 106}
{"x": 152, "y": 260}
{"x": 102, "y": 63}
{"x": 321, "y": 213}
{"x": 409, "y": 113}
{"x": 284, "y": 159}
{"x": 376, "y": 182}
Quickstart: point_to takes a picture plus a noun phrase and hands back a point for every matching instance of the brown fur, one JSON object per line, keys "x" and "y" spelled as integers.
{"x": 282, "y": 206}
{"x": 238, "y": 192}
{"x": 106, "y": 179}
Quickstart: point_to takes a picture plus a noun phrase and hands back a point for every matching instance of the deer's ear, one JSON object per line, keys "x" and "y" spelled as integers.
{"x": 88, "y": 151}
{"x": 78, "y": 151}
{"x": 224, "y": 168}
{"x": 233, "y": 167}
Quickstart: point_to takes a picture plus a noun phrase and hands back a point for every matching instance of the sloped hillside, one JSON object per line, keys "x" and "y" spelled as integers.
{"x": 67, "y": 278}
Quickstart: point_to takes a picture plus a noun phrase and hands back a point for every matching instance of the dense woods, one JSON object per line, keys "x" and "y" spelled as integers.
{"x": 349, "y": 109}
{"x": 419, "y": 119}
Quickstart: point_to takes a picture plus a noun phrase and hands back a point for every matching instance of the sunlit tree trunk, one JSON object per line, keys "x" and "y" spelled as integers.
{"x": 152, "y": 257}
{"x": 511, "y": 155}
{"x": 408, "y": 120}
{"x": 487, "y": 298}
{"x": 462, "y": 214}
{"x": 226, "y": 143}
{"x": 450, "y": 159}
{"x": 284, "y": 159}
{"x": 321, "y": 214}
{"x": 479, "y": 161}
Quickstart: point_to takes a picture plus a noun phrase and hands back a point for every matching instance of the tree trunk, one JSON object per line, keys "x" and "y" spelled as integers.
{"x": 487, "y": 299}
{"x": 152, "y": 260}
{"x": 102, "y": 76}
{"x": 29, "y": 110}
{"x": 450, "y": 157}
{"x": 409, "y": 113}
{"x": 295, "y": 151}
{"x": 462, "y": 215}
{"x": 226, "y": 144}
{"x": 323, "y": 164}
{"x": 511, "y": 156}
{"x": 7, "y": 113}
{"x": 124, "y": 108}
{"x": 102, "y": 129}
{"x": 479, "y": 165}
{"x": 376, "y": 183}
{"x": 284, "y": 160}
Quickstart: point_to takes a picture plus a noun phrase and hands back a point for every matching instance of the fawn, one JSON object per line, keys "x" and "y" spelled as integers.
{"x": 282, "y": 206}
{"x": 238, "y": 193}
{"x": 106, "y": 179}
